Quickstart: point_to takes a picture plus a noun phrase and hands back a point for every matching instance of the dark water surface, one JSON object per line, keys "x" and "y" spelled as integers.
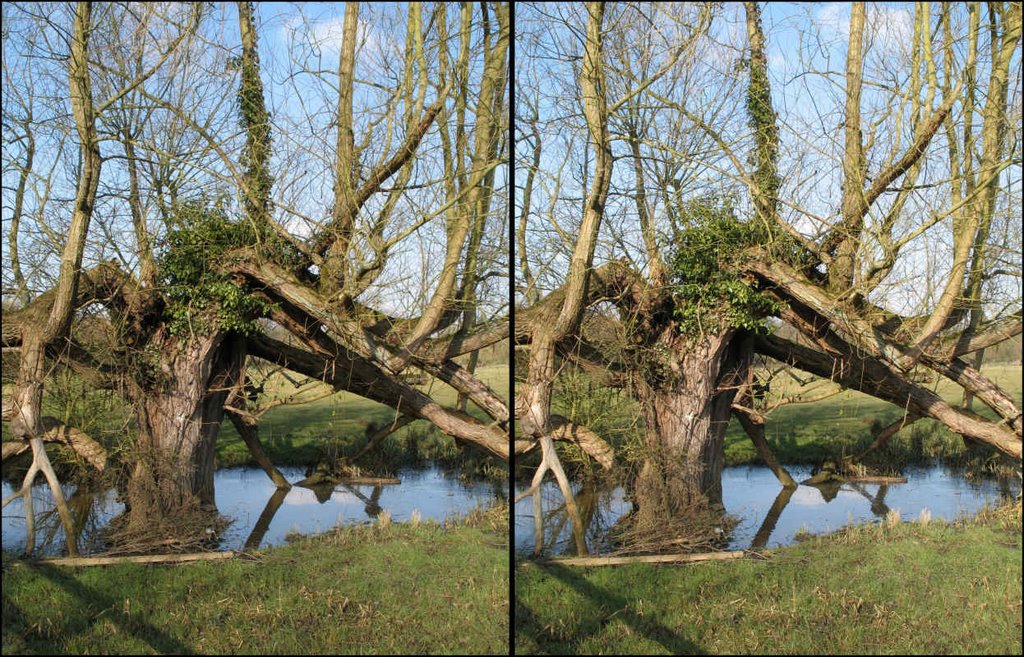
{"x": 767, "y": 517}
{"x": 260, "y": 517}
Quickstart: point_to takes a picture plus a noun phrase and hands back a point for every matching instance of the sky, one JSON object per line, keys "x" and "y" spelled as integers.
{"x": 801, "y": 36}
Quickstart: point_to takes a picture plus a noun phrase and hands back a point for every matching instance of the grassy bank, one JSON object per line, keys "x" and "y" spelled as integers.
{"x": 911, "y": 588}
{"x": 397, "y": 589}
{"x": 848, "y": 421}
{"x": 805, "y": 433}
{"x": 297, "y": 434}
{"x": 341, "y": 424}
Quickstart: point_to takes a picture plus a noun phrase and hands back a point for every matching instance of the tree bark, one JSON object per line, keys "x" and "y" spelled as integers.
{"x": 686, "y": 400}
{"x": 179, "y": 417}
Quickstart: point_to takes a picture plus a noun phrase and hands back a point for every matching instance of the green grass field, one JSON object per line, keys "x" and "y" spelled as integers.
{"x": 293, "y": 434}
{"x": 906, "y": 589}
{"x": 848, "y": 421}
{"x": 842, "y": 423}
{"x": 395, "y": 589}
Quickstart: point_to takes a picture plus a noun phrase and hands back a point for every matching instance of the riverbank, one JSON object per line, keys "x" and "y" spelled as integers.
{"x": 767, "y": 515}
{"x": 848, "y": 421}
{"x": 839, "y": 423}
{"x": 385, "y": 588}
{"x": 341, "y": 423}
{"x": 907, "y": 588}
{"x": 315, "y": 425}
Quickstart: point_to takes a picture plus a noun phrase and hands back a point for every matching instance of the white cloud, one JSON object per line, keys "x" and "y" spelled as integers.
{"x": 889, "y": 29}
{"x": 327, "y": 35}
{"x": 304, "y": 496}
{"x": 807, "y": 496}
{"x": 834, "y": 19}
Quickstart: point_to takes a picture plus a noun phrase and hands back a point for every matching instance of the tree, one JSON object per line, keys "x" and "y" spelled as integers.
{"x": 732, "y": 234}
{"x": 223, "y": 239}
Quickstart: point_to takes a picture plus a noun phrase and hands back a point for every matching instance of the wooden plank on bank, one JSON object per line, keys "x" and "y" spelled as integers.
{"x": 371, "y": 481}
{"x": 646, "y": 558}
{"x": 140, "y": 558}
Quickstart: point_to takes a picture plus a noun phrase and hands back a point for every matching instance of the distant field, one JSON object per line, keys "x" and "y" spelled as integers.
{"x": 292, "y": 434}
{"x": 801, "y": 432}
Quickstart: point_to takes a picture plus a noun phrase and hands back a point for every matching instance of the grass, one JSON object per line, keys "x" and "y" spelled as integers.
{"x": 808, "y": 433}
{"x": 910, "y": 588}
{"x": 298, "y": 434}
{"x": 394, "y": 588}
{"x": 342, "y": 422}
{"x": 848, "y": 421}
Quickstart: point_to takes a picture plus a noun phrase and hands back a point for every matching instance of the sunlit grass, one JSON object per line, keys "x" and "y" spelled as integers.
{"x": 360, "y": 589}
{"x": 293, "y": 434}
{"x": 903, "y": 588}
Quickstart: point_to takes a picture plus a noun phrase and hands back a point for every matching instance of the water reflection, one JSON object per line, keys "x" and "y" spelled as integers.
{"x": 259, "y": 530}
{"x": 771, "y": 519}
{"x": 770, "y": 515}
{"x": 557, "y": 520}
{"x": 261, "y": 514}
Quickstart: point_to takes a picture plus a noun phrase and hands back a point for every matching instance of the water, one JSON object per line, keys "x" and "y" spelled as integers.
{"x": 750, "y": 492}
{"x": 262, "y": 518}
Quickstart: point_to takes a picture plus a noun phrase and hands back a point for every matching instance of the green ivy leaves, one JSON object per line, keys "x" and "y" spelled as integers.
{"x": 709, "y": 293}
{"x": 200, "y": 295}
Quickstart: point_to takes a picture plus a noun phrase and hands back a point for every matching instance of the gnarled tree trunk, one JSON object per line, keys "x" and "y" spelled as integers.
{"x": 686, "y": 396}
{"x": 179, "y": 416}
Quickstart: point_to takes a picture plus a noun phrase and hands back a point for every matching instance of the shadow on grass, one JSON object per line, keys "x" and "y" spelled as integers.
{"x": 92, "y": 603}
{"x": 612, "y": 606}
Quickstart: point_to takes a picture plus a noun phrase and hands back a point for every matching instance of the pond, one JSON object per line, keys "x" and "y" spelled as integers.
{"x": 261, "y": 516}
{"x": 768, "y": 517}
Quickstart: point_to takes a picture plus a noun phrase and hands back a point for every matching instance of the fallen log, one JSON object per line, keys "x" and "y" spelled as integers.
{"x": 872, "y": 479}
{"x": 139, "y": 558}
{"x": 319, "y": 479}
{"x": 646, "y": 558}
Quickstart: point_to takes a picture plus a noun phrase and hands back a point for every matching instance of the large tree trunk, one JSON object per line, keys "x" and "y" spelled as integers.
{"x": 686, "y": 401}
{"x": 179, "y": 417}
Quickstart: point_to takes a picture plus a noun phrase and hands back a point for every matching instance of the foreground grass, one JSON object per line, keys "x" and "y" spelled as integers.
{"x": 907, "y": 589}
{"x": 397, "y": 589}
